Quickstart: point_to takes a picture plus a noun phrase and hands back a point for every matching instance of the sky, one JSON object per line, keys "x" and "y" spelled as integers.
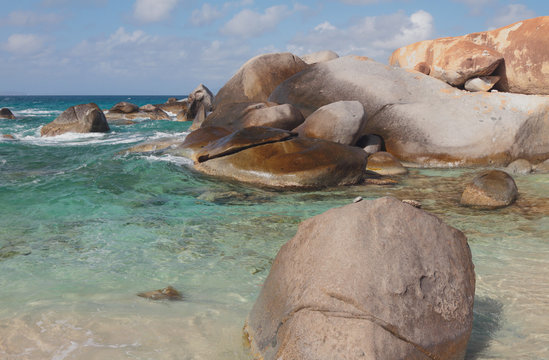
{"x": 168, "y": 47}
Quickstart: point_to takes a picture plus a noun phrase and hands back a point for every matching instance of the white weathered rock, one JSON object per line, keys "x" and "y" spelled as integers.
{"x": 482, "y": 83}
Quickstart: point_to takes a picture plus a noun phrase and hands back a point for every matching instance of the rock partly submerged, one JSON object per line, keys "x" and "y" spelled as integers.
{"x": 83, "y": 118}
{"x": 423, "y": 120}
{"x": 127, "y": 111}
{"x": 376, "y": 279}
{"x": 491, "y": 189}
{"x": 6, "y": 113}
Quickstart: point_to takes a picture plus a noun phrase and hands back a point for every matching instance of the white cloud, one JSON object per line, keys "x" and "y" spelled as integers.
{"x": 28, "y": 18}
{"x": 511, "y": 14}
{"x": 372, "y": 36}
{"x": 475, "y": 6}
{"x": 153, "y": 10}
{"x": 205, "y": 15}
{"x": 359, "y": 2}
{"x": 248, "y": 23}
{"x": 24, "y": 44}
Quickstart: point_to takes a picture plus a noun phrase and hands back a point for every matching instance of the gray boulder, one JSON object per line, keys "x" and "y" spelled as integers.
{"x": 340, "y": 122}
{"x": 519, "y": 167}
{"x": 377, "y": 279}
{"x": 319, "y": 56}
{"x": 424, "y": 120}
{"x": 6, "y": 113}
{"x": 83, "y": 118}
{"x": 490, "y": 190}
{"x": 258, "y": 77}
{"x": 241, "y": 115}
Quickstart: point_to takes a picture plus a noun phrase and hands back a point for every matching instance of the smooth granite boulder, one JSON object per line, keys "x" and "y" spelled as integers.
{"x": 83, "y": 118}
{"x": 6, "y": 113}
{"x": 155, "y": 114}
{"x": 174, "y": 107}
{"x": 319, "y": 56}
{"x": 258, "y": 77}
{"x": 197, "y": 140}
{"x": 482, "y": 83}
{"x": 376, "y": 279}
{"x": 293, "y": 163}
{"x": 384, "y": 163}
{"x": 155, "y": 145}
{"x": 340, "y": 122}
{"x": 490, "y": 190}
{"x": 523, "y": 45}
{"x": 240, "y": 115}
{"x": 542, "y": 168}
{"x": 124, "y": 108}
{"x": 423, "y": 120}
{"x": 200, "y": 104}
{"x": 519, "y": 167}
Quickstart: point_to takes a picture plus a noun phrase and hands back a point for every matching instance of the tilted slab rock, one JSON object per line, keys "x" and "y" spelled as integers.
{"x": 377, "y": 279}
{"x": 83, "y": 118}
{"x": 523, "y": 46}
{"x": 240, "y": 115}
{"x": 257, "y": 78}
{"x": 293, "y": 163}
{"x": 424, "y": 120}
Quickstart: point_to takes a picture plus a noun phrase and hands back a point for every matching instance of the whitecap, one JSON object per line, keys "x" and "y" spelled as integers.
{"x": 36, "y": 112}
{"x": 179, "y": 160}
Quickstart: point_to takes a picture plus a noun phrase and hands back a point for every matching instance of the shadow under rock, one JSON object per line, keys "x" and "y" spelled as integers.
{"x": 486, "y": 322}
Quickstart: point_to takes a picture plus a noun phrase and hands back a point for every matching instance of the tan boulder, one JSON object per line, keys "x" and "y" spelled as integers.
{"x": 482, "y": 83}
{"x": 293, "y": 163}
{"x": 519, "y": 167}
{"x": 200, "y": 104}
{"x": 490, "y": 190}
{"x": 258, "y": 77}
{"x": 319, "y": 56}
{"x": 83, "y": 118}
{"x": 197, "y": 140}
{"x": 341, "y": 122}
{"x": 174, "y": 107}
{"x": 124, "y": 107}
{"x": 240, "y": 115}
{"x": 523, "y": 46}
{"x": 385, "y": 163}
{"x": 376, "y": 279}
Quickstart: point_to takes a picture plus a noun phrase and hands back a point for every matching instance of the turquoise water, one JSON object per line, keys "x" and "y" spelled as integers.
{"x": 83, "y": 229}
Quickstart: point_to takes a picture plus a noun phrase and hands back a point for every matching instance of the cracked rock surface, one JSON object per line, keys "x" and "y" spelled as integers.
{"x": 377, "y": 279}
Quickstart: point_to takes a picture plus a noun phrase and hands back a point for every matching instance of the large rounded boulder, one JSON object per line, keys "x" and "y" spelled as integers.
{"x": 376, "y": 279}
{"x": 340, "y": 122}
{"x": 83, "y": 118}
{"x": 6, "y": 113}
{"x": 523, "y": 46}
{"x": 258, "y": 77}
{"x": 490, "y": 190}
{"x": 241, "y": 115}
{"x": 423, "y": 120}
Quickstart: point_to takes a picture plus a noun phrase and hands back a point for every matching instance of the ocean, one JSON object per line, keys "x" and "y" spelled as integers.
{"x": 84, "y": 227}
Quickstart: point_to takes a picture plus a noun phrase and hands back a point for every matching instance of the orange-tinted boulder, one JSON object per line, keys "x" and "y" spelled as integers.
{"x": 491, "y": 189}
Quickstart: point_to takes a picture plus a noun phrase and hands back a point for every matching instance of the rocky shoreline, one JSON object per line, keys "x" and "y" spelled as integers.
{"x": 380, "y": 278}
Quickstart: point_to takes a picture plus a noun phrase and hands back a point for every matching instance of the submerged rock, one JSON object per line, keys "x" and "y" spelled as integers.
{"x": 8, "y": 136}
{"x": 377, "y": 279}
{"x": 258, "y": 77}
{"x": 490, "y": 190}
{"x": 155, "y": 145}
{"x": 519, "y": 167}
{"x": 168, "y": 293}
{"x": 6, "y": 113}
{"x": 83, "y": 118}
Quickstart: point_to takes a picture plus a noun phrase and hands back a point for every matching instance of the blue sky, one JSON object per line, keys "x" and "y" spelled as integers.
{"x": 164, "y": 47}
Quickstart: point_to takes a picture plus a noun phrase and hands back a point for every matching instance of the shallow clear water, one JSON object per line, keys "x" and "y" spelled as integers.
{"x": 83, "y": 229}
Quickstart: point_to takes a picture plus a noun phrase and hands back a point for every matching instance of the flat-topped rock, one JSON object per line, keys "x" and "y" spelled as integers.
{"x": 83, "y": 118}
{"x": 240, "y": 115}
{"x": 376, "y": 279}
{"x": 156, "y": 114}
{"x": 491, "y": 189}
{"x": 258, "y": 77}
{"x": 293, "y": 163}
{"x": 384, "y": 163}
{"x": 423, "y": 120}
{"x": 124, "y": 107}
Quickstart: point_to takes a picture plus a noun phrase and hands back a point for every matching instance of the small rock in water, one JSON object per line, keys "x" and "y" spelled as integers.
{"x": 357, "y": 199}
{"x": 168, "y": 293}
{"x": 8, "y": 136}
{"x": 414, "y": 203}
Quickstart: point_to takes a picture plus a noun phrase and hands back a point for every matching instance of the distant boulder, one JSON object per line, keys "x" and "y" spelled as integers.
{"x": 124, "y": 108}
{"x": 200, "y": 104}
{"x": 258, "y": 77}
{"x": 83, "y": 118}
{"x": 6, "y": 113}
{"x": 174, "y": 107}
